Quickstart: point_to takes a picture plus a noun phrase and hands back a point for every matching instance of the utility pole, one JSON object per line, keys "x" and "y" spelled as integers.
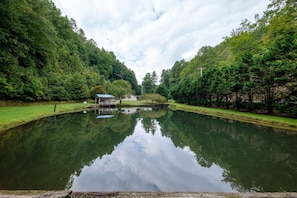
{"x": 201, "y": 69}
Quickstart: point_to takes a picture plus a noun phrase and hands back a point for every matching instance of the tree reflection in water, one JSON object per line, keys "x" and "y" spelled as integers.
{"x": 158, "y": 150}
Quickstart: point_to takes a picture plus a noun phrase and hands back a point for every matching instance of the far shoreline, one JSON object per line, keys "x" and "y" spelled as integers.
{"x": 273, "y": 121}
{"x": 13, "y": 116}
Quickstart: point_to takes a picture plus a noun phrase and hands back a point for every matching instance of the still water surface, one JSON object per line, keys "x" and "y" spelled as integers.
{"x": 160, "y": 150}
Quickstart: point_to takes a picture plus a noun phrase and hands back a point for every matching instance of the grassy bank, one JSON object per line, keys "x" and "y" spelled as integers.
{"x": 262, "y": 119}
{"x": 135, "y": 103}
{"x": 12, "y": 116}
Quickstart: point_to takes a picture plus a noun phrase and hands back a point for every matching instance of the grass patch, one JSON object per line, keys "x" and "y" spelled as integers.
{"x": 137, "y": 103}
{"x": 12, "y": 116}
{"x": 262, "y": 119}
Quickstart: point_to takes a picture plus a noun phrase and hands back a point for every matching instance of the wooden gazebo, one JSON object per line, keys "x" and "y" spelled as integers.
{"x": 104, "y": 100}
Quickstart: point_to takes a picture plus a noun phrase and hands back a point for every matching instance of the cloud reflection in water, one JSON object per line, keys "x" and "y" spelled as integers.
{"x": 147, "y": 162}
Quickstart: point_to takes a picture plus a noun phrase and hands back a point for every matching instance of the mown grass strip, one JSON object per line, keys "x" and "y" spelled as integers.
{"x": 135, "y": 103}
{"x": 261, "y": 119}
{"x": 17, "y": 115}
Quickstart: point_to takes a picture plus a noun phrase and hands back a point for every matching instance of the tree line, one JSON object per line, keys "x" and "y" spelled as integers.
{"x": 45, "y": 56}
{"x": 253, "y": 69}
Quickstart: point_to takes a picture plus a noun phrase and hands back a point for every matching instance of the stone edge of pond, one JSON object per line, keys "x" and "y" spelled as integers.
{"x": 60, "y": 194}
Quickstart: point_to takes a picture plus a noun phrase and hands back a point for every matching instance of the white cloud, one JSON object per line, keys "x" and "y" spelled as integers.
{"x": 150, "y": 35}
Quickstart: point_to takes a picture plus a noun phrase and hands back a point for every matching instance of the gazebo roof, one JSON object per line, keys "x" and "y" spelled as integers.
{"x": 105, "y": 96}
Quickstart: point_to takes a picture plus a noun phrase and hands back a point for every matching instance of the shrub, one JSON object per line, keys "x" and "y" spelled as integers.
{"x": 153, "y": 97}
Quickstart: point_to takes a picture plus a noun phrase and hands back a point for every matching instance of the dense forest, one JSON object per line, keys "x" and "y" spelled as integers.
{"x": 45, "y": 56}
{"x": 253, "y": 69}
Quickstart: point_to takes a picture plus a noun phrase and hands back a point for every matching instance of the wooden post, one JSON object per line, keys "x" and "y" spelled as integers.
{"x": 55, "y": 107}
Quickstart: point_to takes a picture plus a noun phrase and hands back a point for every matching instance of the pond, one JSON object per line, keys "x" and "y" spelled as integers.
{"x": 147, "y": 150}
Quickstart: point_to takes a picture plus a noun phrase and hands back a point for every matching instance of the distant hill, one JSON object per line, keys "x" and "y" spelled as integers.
{"x": 45, "y": 56}
{"x": 253, "y": 69}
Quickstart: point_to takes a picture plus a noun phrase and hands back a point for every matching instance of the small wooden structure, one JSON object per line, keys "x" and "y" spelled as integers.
{"x": 104, "y": 100}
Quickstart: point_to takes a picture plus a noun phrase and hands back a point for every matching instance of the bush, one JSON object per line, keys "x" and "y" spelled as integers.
{"x": 153, "y": 97}
{"x": 99, "y": 89}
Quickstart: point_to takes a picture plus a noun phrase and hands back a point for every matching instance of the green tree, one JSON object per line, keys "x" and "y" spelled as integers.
{"x": 147, "y": 84}
{"x": 175, "y": 74}
{"x": 121, "y": 88}
{"x": 77, "y": 87}
{"x": 205, "y": 58}
{"x": 99, "y": 89}
{"x": 162, "y": 90}
{"x": 165, "y": 78}
{"x": 154, "y": 78}
{"x": 45, "y": 56}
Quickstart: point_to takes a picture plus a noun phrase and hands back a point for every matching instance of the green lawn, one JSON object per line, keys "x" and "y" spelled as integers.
{"x": 263, "y": 119}
{"x": 136, "y": 102}
{"x": 17, "y": 115}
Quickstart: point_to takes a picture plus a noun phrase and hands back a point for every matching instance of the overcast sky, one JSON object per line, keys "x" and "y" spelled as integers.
{"x": 150, "y": 35}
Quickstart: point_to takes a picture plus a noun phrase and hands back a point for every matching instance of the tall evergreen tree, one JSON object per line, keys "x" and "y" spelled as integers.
{"x": 147, "y": 84}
